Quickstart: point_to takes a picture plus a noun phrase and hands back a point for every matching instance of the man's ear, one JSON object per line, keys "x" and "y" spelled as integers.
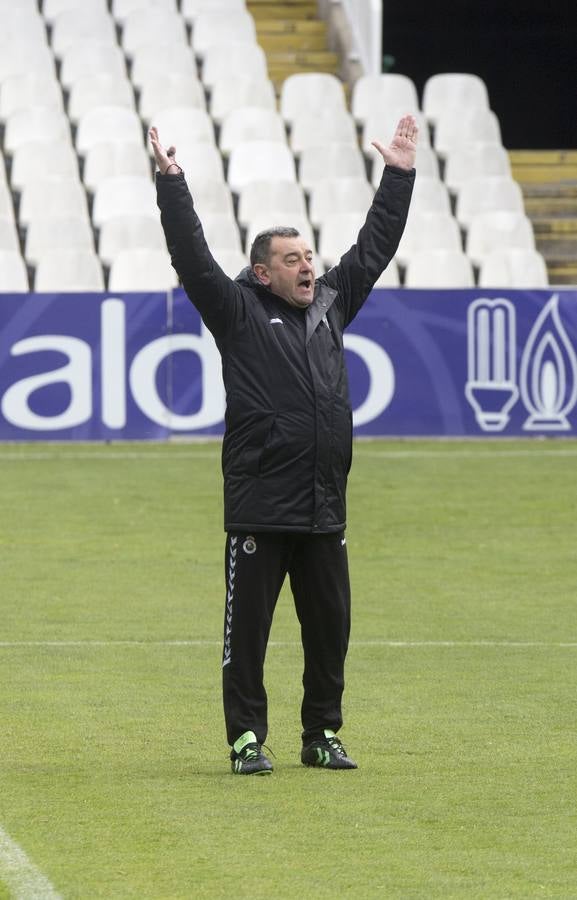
{"x": 262, "y": 273}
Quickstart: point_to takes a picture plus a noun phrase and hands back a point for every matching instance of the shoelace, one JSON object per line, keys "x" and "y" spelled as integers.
{"x": 336, "y": 745}
{"x": 253, "y": 751}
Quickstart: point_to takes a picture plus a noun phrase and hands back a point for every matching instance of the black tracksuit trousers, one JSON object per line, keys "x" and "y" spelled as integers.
{"x": 256, "y": 566}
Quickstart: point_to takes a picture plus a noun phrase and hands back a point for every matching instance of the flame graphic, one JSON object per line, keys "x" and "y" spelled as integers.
{"x": 548, "y": 375}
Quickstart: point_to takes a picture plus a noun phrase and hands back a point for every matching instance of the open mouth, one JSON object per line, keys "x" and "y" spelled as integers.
{"x": 306, "y": 283}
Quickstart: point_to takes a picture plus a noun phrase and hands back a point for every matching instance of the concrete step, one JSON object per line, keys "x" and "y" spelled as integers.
{"x": 560, "y": 227}
{"x": 543, "y": 157}
{"x": 285, "y": 42}
{"x": 286, "y": 9}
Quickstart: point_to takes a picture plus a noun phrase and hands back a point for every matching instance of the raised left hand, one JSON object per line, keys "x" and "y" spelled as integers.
{"x": 401, "y": 151}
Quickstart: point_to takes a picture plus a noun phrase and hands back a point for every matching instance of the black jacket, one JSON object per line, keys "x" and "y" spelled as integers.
{"x": 288, "y": 439}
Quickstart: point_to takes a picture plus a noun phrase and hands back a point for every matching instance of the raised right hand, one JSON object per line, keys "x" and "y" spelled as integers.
{"x": 164, "y": 158}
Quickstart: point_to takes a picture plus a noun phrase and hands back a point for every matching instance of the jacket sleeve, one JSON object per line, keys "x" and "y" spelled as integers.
{"x": 215, "y": 295}
{"x": 359, "y": 268}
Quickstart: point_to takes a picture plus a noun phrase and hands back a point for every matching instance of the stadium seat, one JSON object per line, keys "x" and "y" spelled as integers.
{"x": 339, "y": 195}
{"x": 210, "y": 195}
{"x": 271, "y": 218}
{"x": 129, "y": 232}
{"x": 430, "y": 195}
{"x": 52, "y": 196}
{"x": 68, "y": 270}
{"x": 310, "y": 92}
{"x": 250, "y": 123}
{"x": 13, "y": 274}
{"x": 36, "y": 123}
{"x": 337, "y": 234}
{"x": 233, "y": 59}
{"x": 232, "y": 262}
{"x": 439, "y": 269}
{"x": 91, "y": 58}
{"x": 57, "y": 233}
{"x": 142, "y": 270}
{"x": 213, "y": 28}
{"x": 255, "y": 160}
{"x": 144, "y": 25}
{"x": 107, "y": 160}
{"x": 428, "y": 231}
{"x": 171, "y": 91}
{"x": 74, "y": 26}
{"x": 331, "y": 161}
{"x": 382, "y": 126}
{"x": 154, "y": 60}
{"x": 36, "y": 160}
{"x": 184, "y": 126}
{"x": 451, "y": 90}
{"x": 23, "y": 23}
{"x": 466, "y": 126}
{"x": 30, "y": 90}
{"x": 263, "y": 197}
{"x": 426, "y": 164}
{"x": 121, "y": 9}
{"x": 23, "y": 57}
{"x": 487, "y": 194}
{"x": 123, "y": 195}
{"x": 390, "y": 278}
{"x": 513, "y": 268}
{"x": 202, "y": 158}
{"x": 108, "y": 123}
{"x": 322, "y": 128}
{"x": 51, "y": 9}
{"x": 498, "y": 231}
{"x": 379, "y": 92}
{"x": 221, "y": 231}
{"x": 230, "y": 93}
{"x": 8, "y": 234}
{"x": 191, "y": 9}
{"x": 6, "y": 207}
{"x": 93, "y": 91}
{"x": 474, "y": 160}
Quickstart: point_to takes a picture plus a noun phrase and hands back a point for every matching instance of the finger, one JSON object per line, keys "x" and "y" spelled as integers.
{"x": 378, "y": 146}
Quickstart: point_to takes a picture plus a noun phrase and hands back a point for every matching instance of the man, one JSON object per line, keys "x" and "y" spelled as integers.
{"x": 287, "y": 444}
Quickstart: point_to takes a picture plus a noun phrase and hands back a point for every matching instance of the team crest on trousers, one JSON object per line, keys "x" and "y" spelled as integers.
{"x": 249, "y": 545}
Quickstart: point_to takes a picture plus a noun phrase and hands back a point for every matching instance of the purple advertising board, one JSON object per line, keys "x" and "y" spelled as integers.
{"x": 143, "y": 366}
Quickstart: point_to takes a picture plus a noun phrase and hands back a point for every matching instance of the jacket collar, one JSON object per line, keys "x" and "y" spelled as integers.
{"x": 323, "y": 300}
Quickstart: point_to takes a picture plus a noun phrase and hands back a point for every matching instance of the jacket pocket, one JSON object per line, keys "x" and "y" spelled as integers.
{"x": 259, "y": 439}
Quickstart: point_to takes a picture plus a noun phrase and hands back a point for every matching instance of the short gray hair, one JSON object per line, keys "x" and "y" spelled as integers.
{"x": 260, "y": 249}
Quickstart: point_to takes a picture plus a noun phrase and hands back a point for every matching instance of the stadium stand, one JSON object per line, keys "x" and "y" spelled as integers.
{"x": 260, "y": 126}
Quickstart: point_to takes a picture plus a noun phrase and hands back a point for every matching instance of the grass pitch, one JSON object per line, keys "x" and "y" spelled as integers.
{"x": 460, "y": 704}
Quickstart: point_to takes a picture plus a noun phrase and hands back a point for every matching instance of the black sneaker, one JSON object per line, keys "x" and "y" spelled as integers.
{"x": 247, "y": 757}
{"x": 327, "y": 753}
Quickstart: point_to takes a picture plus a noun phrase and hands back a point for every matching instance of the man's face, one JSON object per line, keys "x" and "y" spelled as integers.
{"x": 290, "y": 272}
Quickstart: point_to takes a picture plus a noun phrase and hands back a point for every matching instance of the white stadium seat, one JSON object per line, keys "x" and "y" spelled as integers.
{"x": 379, "y": 92}
{"x": 321, "y": 128}
{"x": 68, "y": 270}
{"x": 333, "y": 161}
{"x": 29, "y": 90}
{"x": 38, "y": 159}
{"x": 214, "y": 27}
{"x": 230, "y": 93}
{"x": 108, "y": 123}
{"x": 233, "y": 58}
{"x": 144, "y": 25}
{"x": 93, "y": 91}
{"x": 473, "y": 160}
{"x": 453, "y": 90}
{"x": 250, "y": 123}
{"x": 123, "y": 195}
{"x": 142, "y": 270}
{"x": 13, "y": 274}
{"x": 464, "y": 126}
{"x": 109, "y": 159}
{"x": 439, "y": 269}
{"x": 37, "y": 123}
{"x": 91, "y": 58}
{"x": 488, "y": 194}
{"x": 81, "y": 24}
{"x": 498, "y": 231}
{"x": 513, "y": 268}
{"x": 172, "y": 90}
{"x": 129, "y": 232}
{"x": 339, "y": 195}
{"x": 258, "y": 198}
{"x": 57, "y": 233}
{"x": 311, "y": 92}
{"x": 429, "y": 231}
{"x": 52, "y": 196}
{"x": 255, "y": 160}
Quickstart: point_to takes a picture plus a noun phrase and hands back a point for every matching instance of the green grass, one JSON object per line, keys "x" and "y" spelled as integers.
{"x": 460, "y": 704}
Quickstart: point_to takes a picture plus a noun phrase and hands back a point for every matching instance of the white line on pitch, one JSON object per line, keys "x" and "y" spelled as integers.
{"x": 22, "y": 878}
{"x": 217, "y": 643}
